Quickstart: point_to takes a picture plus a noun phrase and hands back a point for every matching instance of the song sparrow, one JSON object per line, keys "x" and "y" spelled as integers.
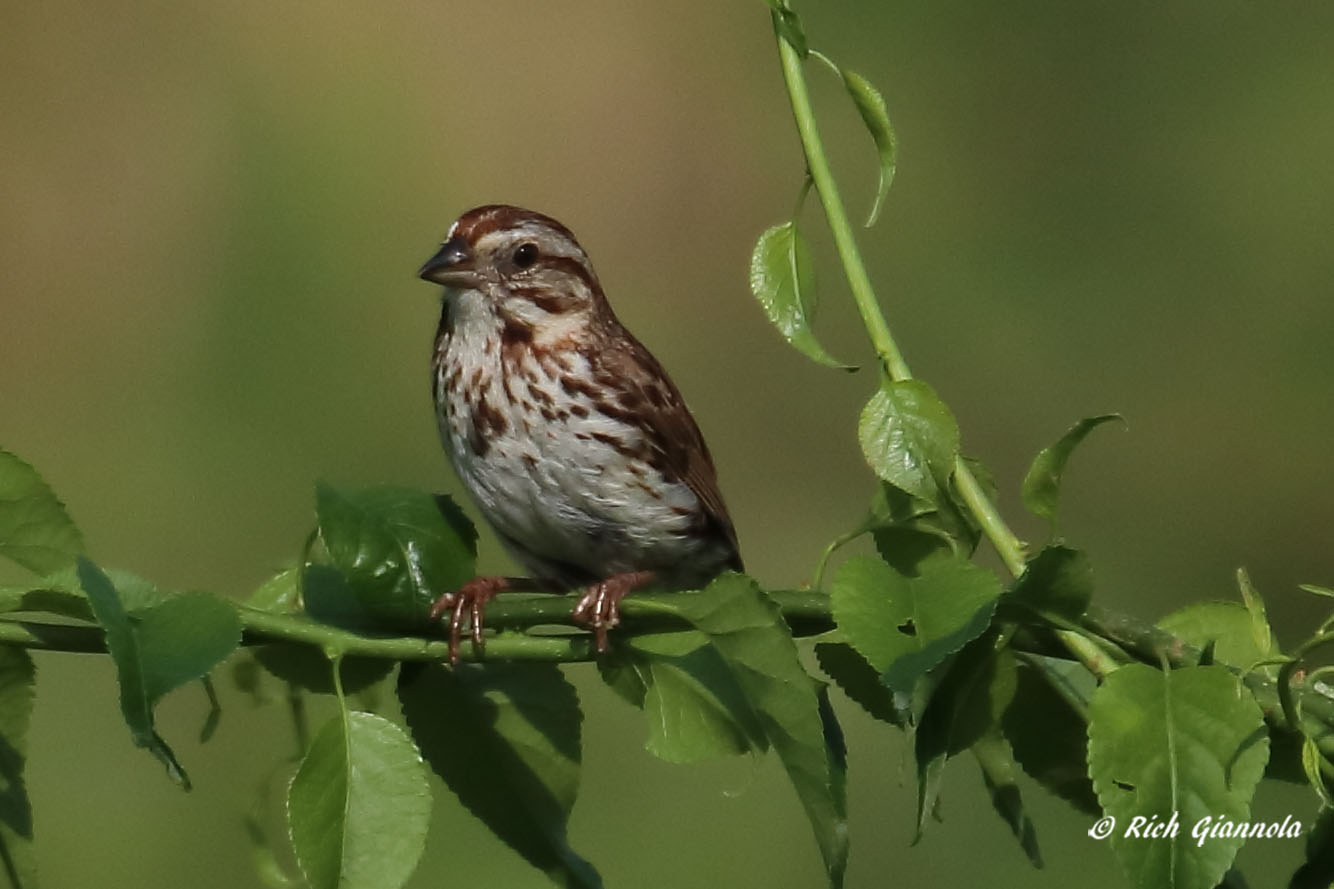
{"x": 568, "y": 434}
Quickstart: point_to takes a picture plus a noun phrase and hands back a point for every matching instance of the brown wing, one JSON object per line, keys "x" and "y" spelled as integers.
{"x": 645, "y": 396}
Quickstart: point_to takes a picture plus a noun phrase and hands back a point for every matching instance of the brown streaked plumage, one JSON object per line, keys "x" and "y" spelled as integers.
{"x": 575, "y": 444}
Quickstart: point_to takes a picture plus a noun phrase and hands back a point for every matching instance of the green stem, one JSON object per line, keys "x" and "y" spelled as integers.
{"x": 818, "y": 165}
{"x": 1002, "y": 538}
{"x": 863, "y": 294}
{"x": 1287, "y": 672}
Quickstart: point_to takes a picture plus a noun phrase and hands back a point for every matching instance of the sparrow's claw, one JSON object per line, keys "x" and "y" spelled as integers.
{"x": 469, "y": 599}
{"x": 600, "y": 607}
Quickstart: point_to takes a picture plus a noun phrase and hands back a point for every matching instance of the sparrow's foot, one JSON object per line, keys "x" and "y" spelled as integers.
{"x": 600, "y": 607}
{"x": 467, "y": 603}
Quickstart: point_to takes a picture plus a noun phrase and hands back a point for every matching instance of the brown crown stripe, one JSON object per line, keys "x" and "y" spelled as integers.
{"x": 481, "y": 221}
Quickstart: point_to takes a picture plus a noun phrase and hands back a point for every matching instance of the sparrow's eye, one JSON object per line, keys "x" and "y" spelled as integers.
{"x": 525, "y": 255}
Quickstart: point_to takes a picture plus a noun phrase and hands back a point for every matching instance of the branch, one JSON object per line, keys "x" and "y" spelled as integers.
{"x": 806, "y": 612}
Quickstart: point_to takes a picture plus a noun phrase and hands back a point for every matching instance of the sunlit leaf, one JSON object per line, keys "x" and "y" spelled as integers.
{"x": 359, "y": 805}
{"x": 280, "y": 594}
{"x": 35, "y": 530}
{"x": 1183, "y": 744}
{"x": 1042, "y": 484}
{"x": 909, "y": 437}
{"x": 782, "y": 278}
{"x": 871, "y": 106}
{"x": 905, "y": 625}
{"x": 398, "y": 549}
{"x": 1229, "y": 627}
{"x": 1261, "y": 635}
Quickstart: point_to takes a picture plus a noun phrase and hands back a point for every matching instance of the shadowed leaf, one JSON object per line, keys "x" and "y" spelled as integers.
{"x": 859, "y": 681}
{"x": 506, "y": 739}
{"x": 1049, "y": 738}
{"x": 695, "y": 709}
{"x": 999, "y": 773}
{"x": 158, "y": 648}
{"x": 1058, "y": 581}
{"x": 748, "y": 631}
{"x": 17, "y": 681}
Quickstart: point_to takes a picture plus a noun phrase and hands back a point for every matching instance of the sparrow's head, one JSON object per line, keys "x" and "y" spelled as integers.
{"x": 525, "y": 262}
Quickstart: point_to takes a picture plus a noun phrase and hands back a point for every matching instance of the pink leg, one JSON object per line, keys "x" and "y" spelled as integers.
{"x": 469, "y": 599}
{"x": 600, "y": 607}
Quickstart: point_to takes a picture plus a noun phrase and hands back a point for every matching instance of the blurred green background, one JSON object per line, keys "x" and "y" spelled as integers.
{"x": 210, "y": 219}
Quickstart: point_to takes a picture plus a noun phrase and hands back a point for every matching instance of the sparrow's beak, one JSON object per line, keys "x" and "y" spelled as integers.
{"x": 452, "y": 266}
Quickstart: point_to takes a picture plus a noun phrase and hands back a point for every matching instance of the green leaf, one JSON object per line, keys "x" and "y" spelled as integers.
{"x": 398, "y": 549}
{"x": 1230, "y": 627}
{"x": 17, "y": 680}
{"x": 748, "y": 631}
{"x": 909, "y": 548}
{"x": 782, "y": 278}
{"x": 1317, "y": 872}
{"x": 1049, "y": 738}
{"x": 965, "y": 707}
{"x": 859, "y": 681}
{"x": 871, "y": 106}
{"x": 308, "y": 668}
{"x": 909, "y": 437}
{"x": 1058, "y": 581}
{"x": 359, "y": 805}
{"x": 1042, "y": 485}
{"x": 58, "y": 594}
{"x": 904, "y": 625}
{"x": 1312, "y": 761}
{"x": 1261, "y": 635}
{"x": 999, "y": 774}
{"x": 695, "y": 709}
{"x": 505, "y": 738}
{"x": 1184, "y": 742}
{"x": 279, "y": 594}
{"x": 788, "y": 26}
{"x": 35, "y": 529}
{"x": 158, "y": 648}
{"x": 899, "y": 513}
